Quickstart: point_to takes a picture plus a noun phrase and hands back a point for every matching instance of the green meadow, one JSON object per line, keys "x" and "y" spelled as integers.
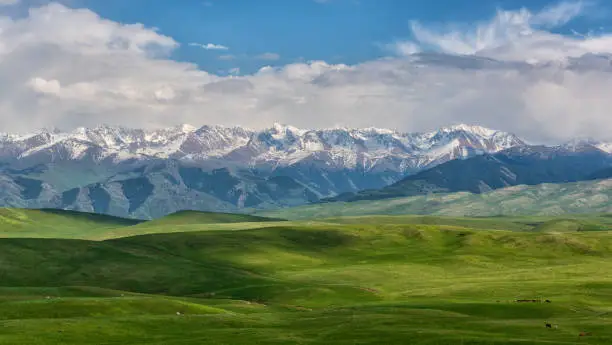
{"x": 205, "y": 278}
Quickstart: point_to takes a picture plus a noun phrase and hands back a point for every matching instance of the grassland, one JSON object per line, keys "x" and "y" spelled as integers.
{"x": 585, "y": 197}
{"x": 361, "y": 280}
{"x": 47, "y": 223}
{"x": 21, "y": 223}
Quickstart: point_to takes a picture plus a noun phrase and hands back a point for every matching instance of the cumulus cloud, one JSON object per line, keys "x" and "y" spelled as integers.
{"x": 510, "y": 73}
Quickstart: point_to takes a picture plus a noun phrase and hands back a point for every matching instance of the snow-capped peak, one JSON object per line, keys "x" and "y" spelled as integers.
{"x": 377, "y": 130}
{"x": 478, "y": 130}
{"x": 580, "y": 143}
{"x": 186, "y": 128}
{"x": 606, "y": 147}
{"x": 282, "y": 129}
{"x": 279, "y": 144}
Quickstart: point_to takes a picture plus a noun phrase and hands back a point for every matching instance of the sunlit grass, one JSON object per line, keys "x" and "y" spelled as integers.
{"x": 342, "y": 281}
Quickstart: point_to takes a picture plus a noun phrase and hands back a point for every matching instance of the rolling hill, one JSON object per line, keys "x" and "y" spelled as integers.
{"x": 369, "y": 280}
{"x": 200, "y": 217}
{"x": 545, "y": 199}
{"x": 62, "y": 224}
{"x": 50, "y": 223}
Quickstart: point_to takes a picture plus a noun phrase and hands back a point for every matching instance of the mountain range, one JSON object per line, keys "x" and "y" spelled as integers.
{"x": 520, "y": 165}
{"x": 150, "y": 173}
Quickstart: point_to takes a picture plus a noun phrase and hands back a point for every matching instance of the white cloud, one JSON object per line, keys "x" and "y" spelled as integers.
{"x": 209, "y": 46}
{"x": 45, "y": 86}
{"x": 106, "y": 72}
{"x": 560, "y": 13}
{"x": 269, "y": 56}
{"x": 513, "y": 35}
{"x": 405, "y": 48}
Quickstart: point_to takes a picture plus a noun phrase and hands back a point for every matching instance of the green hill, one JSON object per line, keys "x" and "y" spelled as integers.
{"x": 390, "y": 280}
{"x": 199, "y": 217}
{"x": 541, "y": 200}
{"x": 59, "y": 224}
{"x": 192, "y": 221}
{"x": 47, "y": 223}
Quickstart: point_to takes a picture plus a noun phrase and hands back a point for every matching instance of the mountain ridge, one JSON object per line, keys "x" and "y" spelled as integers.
{"x": 528, "y": 165}
{"x": 280, "y": 144}
{"x": 150, "y": 173}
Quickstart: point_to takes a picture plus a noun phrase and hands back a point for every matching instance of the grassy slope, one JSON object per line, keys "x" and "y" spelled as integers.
{"x": 365, "y": 281}
{"x": 577, "y": 222}
{"x": 542, "y": 200}
{"x": 20, "y": 223}
{"x": 23, "y": 223}
{"x": 199, "y": 217}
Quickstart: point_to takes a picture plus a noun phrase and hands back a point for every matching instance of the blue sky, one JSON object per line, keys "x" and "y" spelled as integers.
{"x": 336, "y": 31}
{"x": 540, "y": 69}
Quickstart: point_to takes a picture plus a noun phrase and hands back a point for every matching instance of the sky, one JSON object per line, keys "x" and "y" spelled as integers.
{"x": 540, "y": 69}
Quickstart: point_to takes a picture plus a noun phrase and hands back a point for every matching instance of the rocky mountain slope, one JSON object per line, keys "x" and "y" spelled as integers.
{"x": 148, "y": 174}
{"x": 360, "y": 149}
{"x": 520, "y": 165}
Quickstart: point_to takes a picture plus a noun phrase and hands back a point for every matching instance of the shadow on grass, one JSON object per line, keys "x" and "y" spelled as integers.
{"x": 212, "y": 264}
